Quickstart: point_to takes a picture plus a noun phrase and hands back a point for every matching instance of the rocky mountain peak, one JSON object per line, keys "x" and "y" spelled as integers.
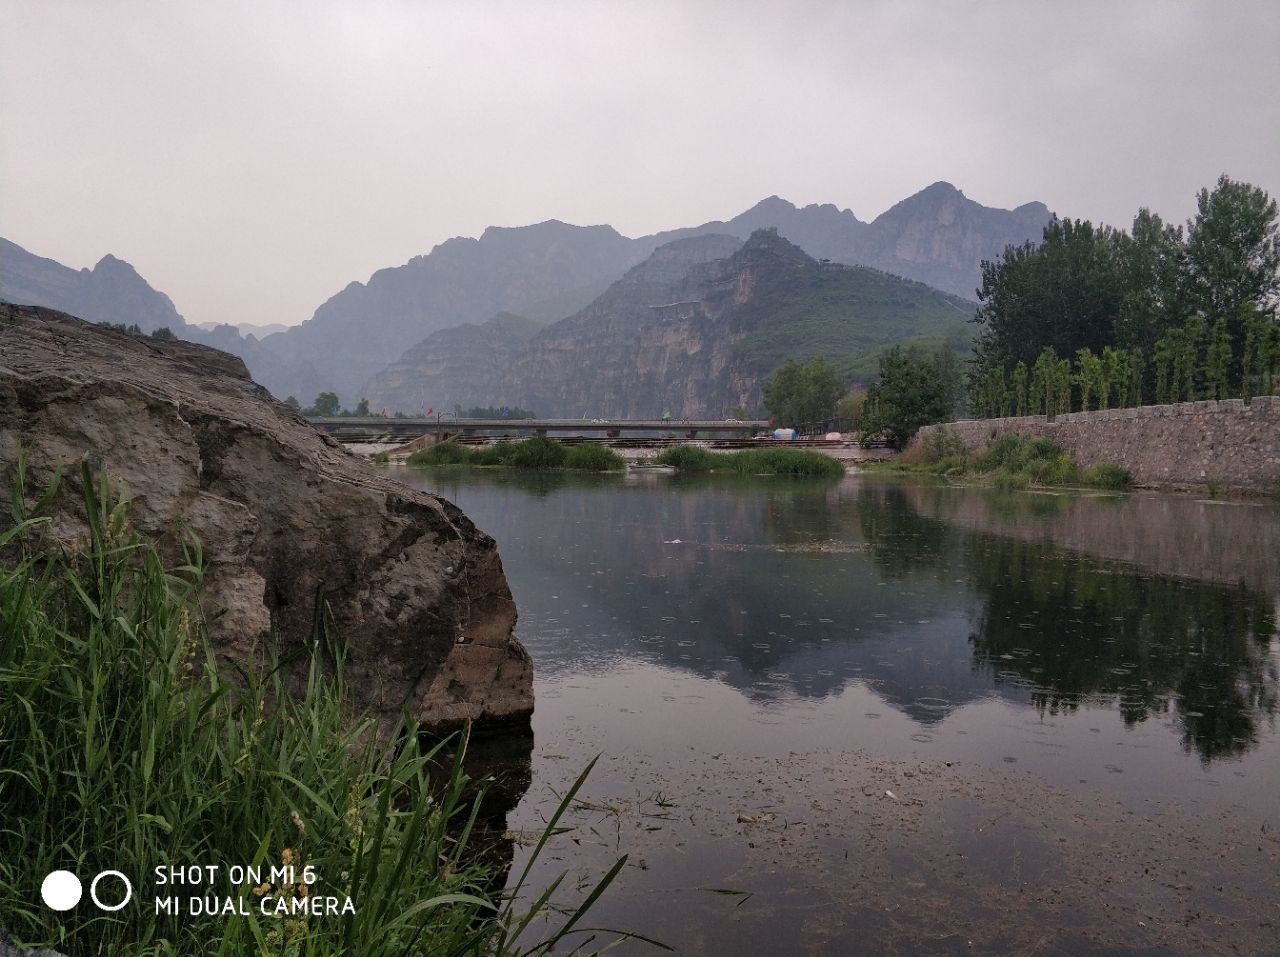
{"x": 770, "y": 246}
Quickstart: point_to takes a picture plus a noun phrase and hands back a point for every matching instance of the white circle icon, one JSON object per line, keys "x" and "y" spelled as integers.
{"x": 61, "y": 890}
{"x": 93, "y": 891}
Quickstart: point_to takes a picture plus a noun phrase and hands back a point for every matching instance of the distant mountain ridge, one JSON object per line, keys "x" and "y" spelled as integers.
{"x": 461, "y": 366}
{"x": 694, "y": 329}
{"x": 543, "y": 272}
{"x": 938, "y": 237}
{"x": 112, "y": 291}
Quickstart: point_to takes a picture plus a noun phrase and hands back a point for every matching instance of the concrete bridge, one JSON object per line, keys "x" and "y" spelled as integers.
{"x": 378, "y": 427}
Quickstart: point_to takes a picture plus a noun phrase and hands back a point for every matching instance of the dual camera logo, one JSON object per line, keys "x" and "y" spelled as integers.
{"x": 62, "y": 890}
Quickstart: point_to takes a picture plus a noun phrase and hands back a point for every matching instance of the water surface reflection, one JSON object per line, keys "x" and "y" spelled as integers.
{"x": 748, "y": 644}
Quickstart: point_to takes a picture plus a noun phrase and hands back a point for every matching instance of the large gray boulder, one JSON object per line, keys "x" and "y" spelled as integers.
{"x": 288, "y": 520}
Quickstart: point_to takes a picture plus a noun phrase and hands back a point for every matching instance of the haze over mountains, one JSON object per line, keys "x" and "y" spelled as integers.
{"x": 697, "y": 328}
{"x": 539, "y": 273}
{"x": 112, "y": 291}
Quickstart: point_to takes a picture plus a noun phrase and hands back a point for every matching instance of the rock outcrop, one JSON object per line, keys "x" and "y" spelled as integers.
{"x": 289, "y": 522}
{"x": 940, "y": 237}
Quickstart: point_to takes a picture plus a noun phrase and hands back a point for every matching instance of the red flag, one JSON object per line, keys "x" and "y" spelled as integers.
{"x": 429, "y": 411}
{"x": 771, "y": 420}
{"x": 384, "y": 412}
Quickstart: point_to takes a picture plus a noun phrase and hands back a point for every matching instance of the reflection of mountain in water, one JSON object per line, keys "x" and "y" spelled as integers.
{"x": 764, "y": 586}
{"x": 786, "y": 589}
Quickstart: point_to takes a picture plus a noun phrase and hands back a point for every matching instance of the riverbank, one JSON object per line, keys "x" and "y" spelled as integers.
{"x": 546, "y": 454}
{"x": 1011, "y": 461}
{"x": 538, "y": 452}
{"x": 314, "y": 829}
{"x": 1227, "y": 444}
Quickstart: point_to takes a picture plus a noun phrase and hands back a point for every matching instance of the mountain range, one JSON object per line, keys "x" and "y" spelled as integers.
{"x": 696, "y": 329}
{"x": 357, "y": 341}
{"x": 111, "y": 292}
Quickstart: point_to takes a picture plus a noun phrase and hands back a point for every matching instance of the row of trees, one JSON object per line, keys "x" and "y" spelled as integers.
{"x": 915, "y": 388}
{"x": 1199, "y": 304}
{"x": 1190, "y": 362}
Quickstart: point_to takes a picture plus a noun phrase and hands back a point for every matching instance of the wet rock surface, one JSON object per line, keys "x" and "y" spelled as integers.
{"x": 289, "y": 523}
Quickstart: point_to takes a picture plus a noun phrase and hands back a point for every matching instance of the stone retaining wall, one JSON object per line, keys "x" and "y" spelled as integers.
{"x": 1228, "y": 442}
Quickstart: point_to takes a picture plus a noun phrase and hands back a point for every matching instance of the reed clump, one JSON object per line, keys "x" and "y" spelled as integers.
{"x": 124, "y": 747}
{"x": 769, "y": 461}
{"x": 1011, "y": 461}
{"x": 538, "y": 452}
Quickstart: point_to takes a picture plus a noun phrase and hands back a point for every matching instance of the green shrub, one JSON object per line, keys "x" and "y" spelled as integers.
{"x": 593, "y": 457}
{"x": 767, "y": 461}
{"x": 783, "y": 462}
{"x": 1000, "y": 452}
{"x": 538, "y": 452}
{"x": 1016, "y": 461}
{"x": 688, "y": 458}
{"x": 1016, "y": 453}
{"x": 1107, "y": 475}
{"x": 940, "y": 443}
{"x": 948, "y": 465}
{"x": 1059, "y": 469}
{"x": 1009, "y": 481}
{"x": 442, "y": 453}
{"x": 123, "y": 747}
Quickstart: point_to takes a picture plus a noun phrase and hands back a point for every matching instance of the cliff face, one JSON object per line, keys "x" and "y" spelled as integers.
{"x": 289, "y": 522}
{"x": 462, "y": 366}
{"x": 543, "y": 272}
{"x": 940, "y": 237}
{"x": 697, "y": 328}
{"x": 610, "y": 358}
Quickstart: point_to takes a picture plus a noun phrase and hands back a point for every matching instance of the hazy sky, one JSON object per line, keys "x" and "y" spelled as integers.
{"x": 252, "y": 158}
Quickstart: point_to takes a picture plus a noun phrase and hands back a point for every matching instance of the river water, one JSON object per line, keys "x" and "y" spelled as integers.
{"x": 885, "y": 716}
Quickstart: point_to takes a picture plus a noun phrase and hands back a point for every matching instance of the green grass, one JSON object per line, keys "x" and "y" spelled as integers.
{"x": 689, "y": 458}
{"x": 123, "y": 746}
{"x": 590, "y": 457}
{"x": 1107, "y": 475}
{"x": 538, "y": 452}
{"x": 443, "y": 453}
{"x": 1015, "y": 461}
